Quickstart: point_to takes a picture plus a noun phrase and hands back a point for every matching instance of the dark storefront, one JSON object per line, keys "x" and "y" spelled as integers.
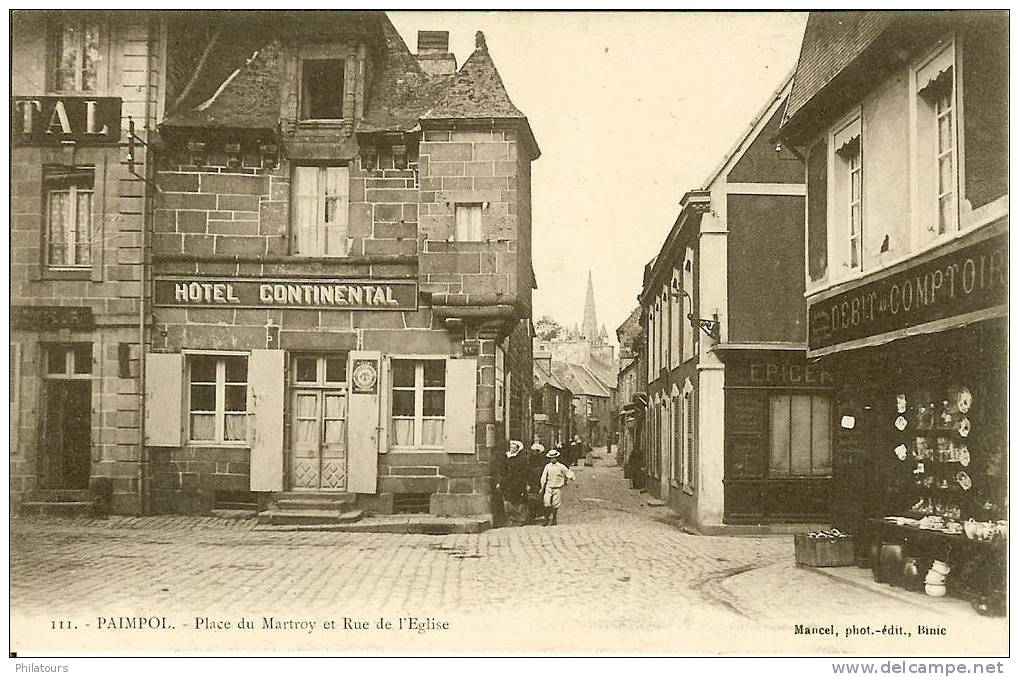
{"x": 778, "y": 447}
{"x": 922, "y": 408}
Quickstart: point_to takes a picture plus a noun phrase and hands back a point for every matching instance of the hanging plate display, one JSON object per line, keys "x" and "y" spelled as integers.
{"x": 964, "y": 427}
{"x": 964, "y": 481}
{"x": 900, "y": 423}
{"x": 900, "y": 404}
{"x": 964, "y": 400}
{"x": 964, "y": 455}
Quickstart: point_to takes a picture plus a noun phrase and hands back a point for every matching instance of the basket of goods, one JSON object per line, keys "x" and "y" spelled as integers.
{"x": 830, "y": 548}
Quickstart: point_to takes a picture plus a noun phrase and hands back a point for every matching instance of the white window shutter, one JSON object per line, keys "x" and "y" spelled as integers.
{"x": 461, "y": 405}
{"x": 363, "y": 427}
{"x": 265, "y": 419}
{"x": 164, "y": 410}
{"x": 385, "y": 405}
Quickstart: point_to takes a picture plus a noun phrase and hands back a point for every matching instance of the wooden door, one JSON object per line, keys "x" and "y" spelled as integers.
{"x": 319, "y": 448}
{"x": 66, "y": 454}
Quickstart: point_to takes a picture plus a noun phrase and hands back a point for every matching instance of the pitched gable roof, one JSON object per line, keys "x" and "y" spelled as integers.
{"x": 401, "y": 92}
{"x": 831, "y": 41}
{"x": 226, "y": 63}
{"x": 238, "y": 84}
{"x": 248, "y": 98}
{"x": 476, "y": 91}
{"x": 579, "y": 380}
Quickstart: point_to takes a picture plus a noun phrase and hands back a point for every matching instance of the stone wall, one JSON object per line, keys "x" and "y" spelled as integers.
{"x": 112, "y": 286}
{"x": 473, "y": 167}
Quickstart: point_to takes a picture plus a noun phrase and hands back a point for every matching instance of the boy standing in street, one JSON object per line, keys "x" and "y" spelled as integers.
{"x": 553, "y": 478}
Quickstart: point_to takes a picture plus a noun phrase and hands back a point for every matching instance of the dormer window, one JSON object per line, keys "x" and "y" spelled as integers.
{"x": 322, "y": 89}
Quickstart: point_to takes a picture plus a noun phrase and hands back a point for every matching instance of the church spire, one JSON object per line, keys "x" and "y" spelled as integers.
{"x": 590, "y": 328}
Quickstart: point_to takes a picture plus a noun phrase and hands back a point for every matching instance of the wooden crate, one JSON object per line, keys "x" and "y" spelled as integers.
{"x": 821, "y": 552}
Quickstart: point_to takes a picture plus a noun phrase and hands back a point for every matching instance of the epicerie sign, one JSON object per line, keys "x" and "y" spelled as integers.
{"x": 305, "y": 294}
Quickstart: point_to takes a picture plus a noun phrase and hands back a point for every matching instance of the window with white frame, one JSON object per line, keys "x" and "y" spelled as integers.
{"x": 650, "y": 341}
{"x": 468, "y": 222}
{"x": 659, "y": 331}
{"x": 690, "y": 330}
{"x": 419, "y": 403}
{"x": 665, "y": 423}
{"x": 848, "y": 204}
{"x": 688, "y": 436}
{"x": 218, "y": 398}
{"x": 676, "y": 329}
{"x": 69, "y": 203}
{"x": 666, "y": 329}
{"x": 675, "y": 451}
{"x": 321, "y": 211}
{"x": 76, "y": 52}
{"x": 936, "y": 145}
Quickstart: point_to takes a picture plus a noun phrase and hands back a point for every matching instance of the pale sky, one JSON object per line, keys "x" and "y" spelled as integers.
{"x": 631, "y": 110}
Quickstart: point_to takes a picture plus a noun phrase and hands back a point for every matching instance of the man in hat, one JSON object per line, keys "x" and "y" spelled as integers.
{"x": 553, "y": 478}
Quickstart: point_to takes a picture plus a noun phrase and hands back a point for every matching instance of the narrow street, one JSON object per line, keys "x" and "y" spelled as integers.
{"x": 615, "y": 576}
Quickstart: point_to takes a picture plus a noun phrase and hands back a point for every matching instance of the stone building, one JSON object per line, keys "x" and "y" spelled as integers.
{"x": 77, "y": 236}
{"x": 311, "y": 274}
{"x": 628, "y": 398}
{"x": 739, "y": 424}
{"x": 341, "y": 269}
{"x": 552, "y": 404}
{"x": 592, "y": 402}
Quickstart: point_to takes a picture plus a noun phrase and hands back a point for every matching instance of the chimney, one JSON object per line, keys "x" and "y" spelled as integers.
{"x": 433, "y": 53}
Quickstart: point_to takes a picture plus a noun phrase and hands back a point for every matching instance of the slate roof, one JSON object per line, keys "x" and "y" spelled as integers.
{"x": 401, "y": 93}
{"x": 542, "y": 378}
{"x": 831, "y": 41}
{"x": 476, "y": 91}
{"x": 606, "y": 373}
{"x": 249, "y": 100}
{"x": 239, "y": 82}
{"x": 844, "y": 55}
{"x": 579, "y": 379}
{"x": 238, "y": 85}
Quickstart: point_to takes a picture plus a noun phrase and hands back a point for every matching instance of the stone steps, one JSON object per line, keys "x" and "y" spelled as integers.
{"x": 312, "y": 504}
{"x": 60, "y": 495}
{"x": 307, "y": 517}
{"x": 59, "y": 508}
{"x": 396, "y": 524}
{"x": 312, "y": 495}
{"x": 310, "y": 508}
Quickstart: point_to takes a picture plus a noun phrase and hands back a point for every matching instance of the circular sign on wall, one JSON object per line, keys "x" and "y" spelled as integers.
{"x": 365, "y": 376}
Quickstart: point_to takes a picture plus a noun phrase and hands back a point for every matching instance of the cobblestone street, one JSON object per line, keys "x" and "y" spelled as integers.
{"x": 614, "y": 576}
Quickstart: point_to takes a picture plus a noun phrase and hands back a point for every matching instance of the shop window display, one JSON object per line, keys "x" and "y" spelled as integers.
{"x": 921, "y": 467}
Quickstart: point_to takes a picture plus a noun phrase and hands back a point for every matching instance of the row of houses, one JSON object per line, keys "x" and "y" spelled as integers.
{"x": 578, "y": 366}
{"x": 254, "y": 253}
{"x": 823, "y": 333}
